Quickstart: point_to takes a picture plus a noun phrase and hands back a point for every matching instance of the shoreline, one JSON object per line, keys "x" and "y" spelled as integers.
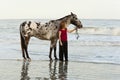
{"x": 109, "y": 63}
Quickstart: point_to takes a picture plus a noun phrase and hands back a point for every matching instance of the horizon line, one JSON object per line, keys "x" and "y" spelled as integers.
{"x": 56, "y": 18}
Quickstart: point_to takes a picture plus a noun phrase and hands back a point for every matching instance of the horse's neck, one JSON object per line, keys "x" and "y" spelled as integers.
{"x": 65, "y": 19}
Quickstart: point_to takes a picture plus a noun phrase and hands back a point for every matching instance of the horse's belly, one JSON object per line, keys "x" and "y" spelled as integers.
{"x": 43, "y": 36}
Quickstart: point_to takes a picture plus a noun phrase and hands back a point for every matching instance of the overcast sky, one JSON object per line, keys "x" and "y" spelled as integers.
{"x": 85, "y": 9}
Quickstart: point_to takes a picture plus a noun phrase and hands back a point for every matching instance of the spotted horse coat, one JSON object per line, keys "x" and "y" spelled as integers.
{"x": 46, "y": 31}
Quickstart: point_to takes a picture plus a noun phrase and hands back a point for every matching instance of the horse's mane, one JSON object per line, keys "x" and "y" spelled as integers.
{"x": 64, "y": 17}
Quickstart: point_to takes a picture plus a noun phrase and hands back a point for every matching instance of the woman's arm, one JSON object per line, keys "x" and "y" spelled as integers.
{"x": 60, "y": 38}
{"x": 70, "y": 31}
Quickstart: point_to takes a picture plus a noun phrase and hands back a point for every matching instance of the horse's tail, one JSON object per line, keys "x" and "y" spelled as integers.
{"x": 22, "y": 40}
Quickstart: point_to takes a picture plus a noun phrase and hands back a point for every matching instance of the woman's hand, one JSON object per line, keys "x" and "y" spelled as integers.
{"x": 61, "y": 43}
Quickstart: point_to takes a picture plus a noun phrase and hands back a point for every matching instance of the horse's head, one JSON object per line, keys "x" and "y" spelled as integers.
{"x": 75, "y": 21}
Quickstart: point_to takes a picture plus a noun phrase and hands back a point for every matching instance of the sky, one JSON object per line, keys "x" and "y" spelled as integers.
{"x": 52, "y": 9}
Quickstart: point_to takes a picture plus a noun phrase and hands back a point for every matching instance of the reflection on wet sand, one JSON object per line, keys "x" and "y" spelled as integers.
{"x": 57, "y": 70}
{"x": 63, "y": 70}
{"x": 52, "y": 70}
{"x": 24, "y": 72}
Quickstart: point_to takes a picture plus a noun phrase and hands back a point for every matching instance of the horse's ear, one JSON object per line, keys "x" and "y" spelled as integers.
{"x": 71, "y": 13}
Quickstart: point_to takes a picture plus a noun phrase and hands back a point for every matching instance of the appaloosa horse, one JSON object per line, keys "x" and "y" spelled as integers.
{"x": 47, "y": 31}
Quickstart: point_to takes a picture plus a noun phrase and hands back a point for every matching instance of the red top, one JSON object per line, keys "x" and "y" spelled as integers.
{"x": 63, "y": 34}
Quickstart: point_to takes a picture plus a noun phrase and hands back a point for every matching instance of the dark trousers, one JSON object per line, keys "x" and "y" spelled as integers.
{"x": 63, "y": 51}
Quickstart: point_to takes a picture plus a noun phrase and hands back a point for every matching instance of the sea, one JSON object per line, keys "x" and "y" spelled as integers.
{"x": 98, "y": 42}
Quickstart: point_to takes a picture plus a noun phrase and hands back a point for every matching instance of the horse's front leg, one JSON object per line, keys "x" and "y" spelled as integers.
{"x": 50, "y": 53}
{"x": 55, "y": 53}
{"x": 53, "y": 45}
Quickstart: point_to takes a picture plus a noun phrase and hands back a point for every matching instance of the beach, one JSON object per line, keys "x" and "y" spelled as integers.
{"x": 94, "y": 56}
{"x": 56, "y": 70}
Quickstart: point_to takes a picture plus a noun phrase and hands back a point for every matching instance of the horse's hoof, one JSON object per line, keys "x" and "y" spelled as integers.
{"x": 56, "y": 58}
{"x": 29, "y": 59}
{"x": 24, "y": 59}
{"x": 50, "y": 59}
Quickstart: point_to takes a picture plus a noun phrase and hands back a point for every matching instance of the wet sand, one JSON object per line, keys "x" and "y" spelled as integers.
{"x": 56, "y": 70}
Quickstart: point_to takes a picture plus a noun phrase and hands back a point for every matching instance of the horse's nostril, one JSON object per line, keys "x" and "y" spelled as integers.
{"x": 81, "y": 26}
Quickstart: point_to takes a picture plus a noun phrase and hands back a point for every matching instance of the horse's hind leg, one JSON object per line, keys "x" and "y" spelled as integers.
{"x": 23, "y": 54}
{"x": 27, "y": 39}
{"x": 22, "y": 46}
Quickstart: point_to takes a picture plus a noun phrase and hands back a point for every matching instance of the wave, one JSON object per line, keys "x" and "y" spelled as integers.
{"x": 98, "y": 43}
{"x": 100, "y": 30}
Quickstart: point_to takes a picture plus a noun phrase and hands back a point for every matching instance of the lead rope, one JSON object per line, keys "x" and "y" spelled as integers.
{"x": 77, "y": 34}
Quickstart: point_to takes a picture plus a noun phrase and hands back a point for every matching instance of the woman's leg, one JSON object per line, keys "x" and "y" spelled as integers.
{"x": 60, "y": 52}
{"x": 66, "y": 50}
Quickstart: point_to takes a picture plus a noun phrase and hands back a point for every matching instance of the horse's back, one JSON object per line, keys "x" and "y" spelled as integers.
{"x": 44, "y": 31}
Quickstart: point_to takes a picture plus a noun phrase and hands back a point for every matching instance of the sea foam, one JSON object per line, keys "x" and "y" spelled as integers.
{"x": 100, "y": 30}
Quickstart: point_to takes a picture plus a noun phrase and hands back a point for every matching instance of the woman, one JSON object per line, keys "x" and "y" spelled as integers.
{"x": 63, "y": 43}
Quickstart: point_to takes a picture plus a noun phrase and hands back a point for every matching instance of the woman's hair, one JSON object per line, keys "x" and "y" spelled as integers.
{"x": 62, "y": 24}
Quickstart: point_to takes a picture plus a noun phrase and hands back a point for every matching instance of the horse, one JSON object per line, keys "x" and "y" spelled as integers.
{"x": 46, "y": 31}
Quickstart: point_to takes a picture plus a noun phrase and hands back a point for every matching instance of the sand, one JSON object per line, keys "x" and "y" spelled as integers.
{"x": 56, "y": 70}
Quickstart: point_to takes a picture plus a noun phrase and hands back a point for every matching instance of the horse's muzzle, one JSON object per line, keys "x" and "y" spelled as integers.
{"x": 80, "y": 26}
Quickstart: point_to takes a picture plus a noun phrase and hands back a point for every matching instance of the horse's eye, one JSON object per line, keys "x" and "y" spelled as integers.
{"x": 75, "y": 18}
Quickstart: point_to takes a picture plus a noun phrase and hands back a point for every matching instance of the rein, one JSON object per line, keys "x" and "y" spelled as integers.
{"x": 77, "y": 34}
